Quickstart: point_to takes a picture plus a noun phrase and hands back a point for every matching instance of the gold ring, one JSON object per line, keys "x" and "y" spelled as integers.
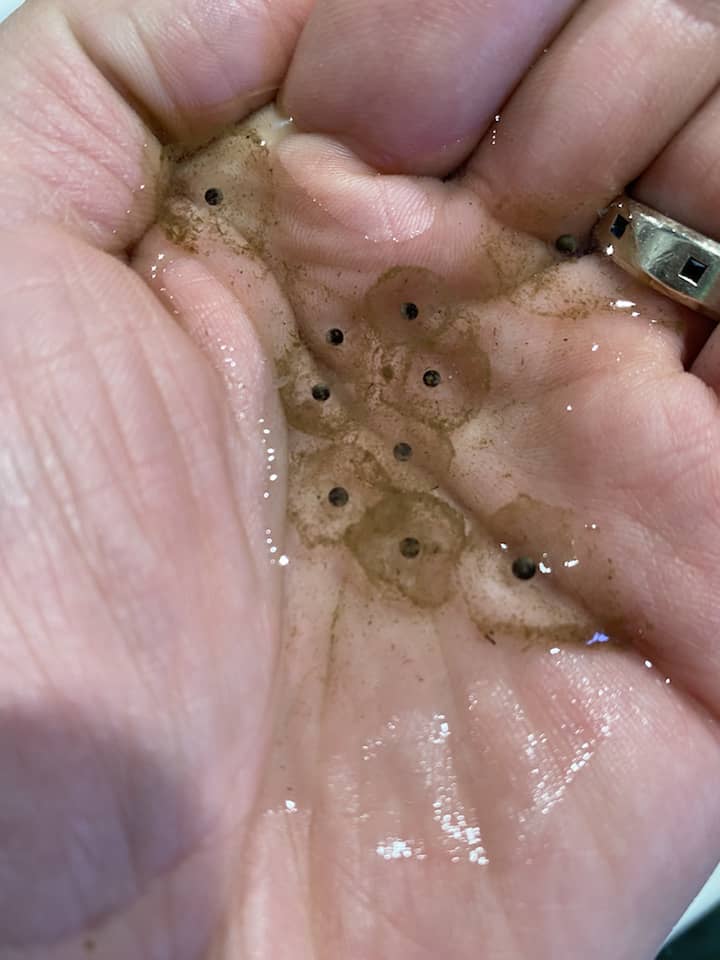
{"x": 677, "y": 261}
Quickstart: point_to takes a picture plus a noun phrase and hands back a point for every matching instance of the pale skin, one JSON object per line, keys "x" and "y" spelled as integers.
{"x": 206, "y": 753}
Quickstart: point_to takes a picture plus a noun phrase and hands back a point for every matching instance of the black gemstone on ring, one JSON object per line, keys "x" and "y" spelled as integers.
{"x": 693, "y": 271}
{"x": 619, "y": 226}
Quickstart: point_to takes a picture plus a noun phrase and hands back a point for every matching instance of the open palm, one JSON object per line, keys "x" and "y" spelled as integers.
{"x": 360, "y": 549}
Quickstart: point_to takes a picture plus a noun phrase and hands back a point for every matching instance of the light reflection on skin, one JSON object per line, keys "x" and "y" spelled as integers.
{"x": 598, "y": 638}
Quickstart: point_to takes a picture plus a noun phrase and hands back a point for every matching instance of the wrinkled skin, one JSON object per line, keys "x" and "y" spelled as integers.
{"x": 247, "y": 726}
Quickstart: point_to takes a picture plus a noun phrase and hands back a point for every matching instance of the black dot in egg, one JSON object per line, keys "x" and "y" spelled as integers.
{"x": 431, "y": 378}
{"x": 410, "y": 547}
{"x": 402, "y": 451}
{"x": 321, "y": 392}
{"x": 213, "y": 196}
{"x": 410, "y": 311}
{"x": 338, "y": 496}
{"x": 524, "y": 568}
{"x": 335, "y": 336}
{"x": 567, "y": 243}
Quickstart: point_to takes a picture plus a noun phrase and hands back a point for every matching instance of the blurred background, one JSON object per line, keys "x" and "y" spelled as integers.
{"x": 697, "y": 935}
{"x": 7, "y": 7}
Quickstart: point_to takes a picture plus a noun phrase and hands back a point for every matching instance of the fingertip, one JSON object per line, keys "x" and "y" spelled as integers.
{"x": 192, "y": 66}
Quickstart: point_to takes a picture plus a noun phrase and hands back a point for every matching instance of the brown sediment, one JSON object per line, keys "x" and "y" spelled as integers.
{"x": 375, "y": 382}
{"x": 180, "y": 223}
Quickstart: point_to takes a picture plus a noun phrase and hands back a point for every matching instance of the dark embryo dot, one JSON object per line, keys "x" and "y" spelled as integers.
{"x": 321, "y": 392}
{"x": 338, "y": 496}
{"x": 410, "y": 547}
{"x": 566, "y": 243}
{"x": 213, "y": 196}
{"x": 335, "y": 336}
{"x": 524, "y": 568}
{"x": 402, "y": 451}
{"x": 410, "y": 311}
{"x": 431, "y": 378}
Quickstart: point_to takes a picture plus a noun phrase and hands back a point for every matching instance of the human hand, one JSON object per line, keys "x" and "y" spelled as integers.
{"x": 309, "y": 726}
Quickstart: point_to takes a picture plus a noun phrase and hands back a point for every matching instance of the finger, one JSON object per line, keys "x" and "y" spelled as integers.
{"x": 194, "y": 66}
{"x": 707, "y": 364}
{"x": 74, "y": 149}
{"x": 684, "y": 181}
{"x": 615, "y": 87}
{"x": 412, "y": 85}
{"x": 123, "y": 482}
